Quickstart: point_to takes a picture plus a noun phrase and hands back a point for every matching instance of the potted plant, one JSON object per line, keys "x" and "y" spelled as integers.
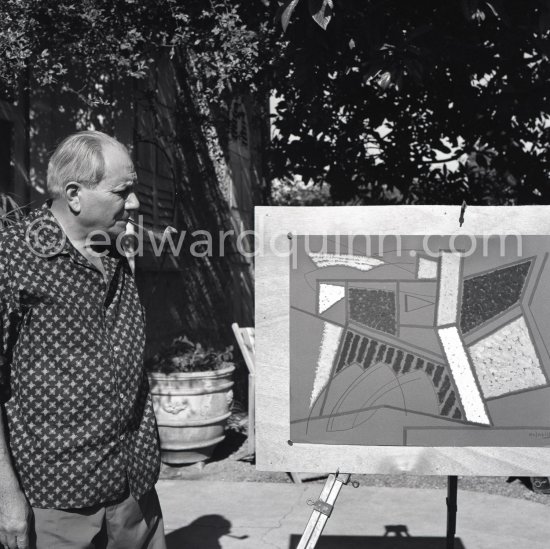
{"x": 192, "y": 392}
{"x": 10, "y": 212}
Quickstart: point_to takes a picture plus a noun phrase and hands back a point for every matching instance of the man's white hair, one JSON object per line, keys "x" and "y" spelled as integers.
{"x": 79, "y": 158}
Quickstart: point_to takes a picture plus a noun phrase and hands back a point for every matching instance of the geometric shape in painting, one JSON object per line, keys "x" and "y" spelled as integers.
{"x": 373, "y": 308}
{"x": 486, "y": 296}
{"x": 506, "y": 361}
{"x": 449, "y": 285}
{"x": 414, "y": 303}
{"x": 330, "y": 341}
{"x": 472, "y": 401}
{"x": 361, "y": 351}
{"x": 378, "y": 386}
{"x": 418, "y": 394}
{"x": 427, "y": 268}
{"x": 336, "y": 314}
{"x": 422, "y": 338}
{"x": 329, "y": 294}
{"x": 360, "y": 262}
{"x": 332, "y": 393}
{"x": 420, "y": 316}
{"x": 506, "y": 410}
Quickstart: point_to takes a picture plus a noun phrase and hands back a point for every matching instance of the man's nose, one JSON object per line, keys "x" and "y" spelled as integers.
{"x": 132, "y": 202}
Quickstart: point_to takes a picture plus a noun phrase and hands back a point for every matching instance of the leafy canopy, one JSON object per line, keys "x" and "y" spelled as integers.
{"x": 427, "y": 101}
{"x": 386, "y": 100}
{"x": 87, "y": 45}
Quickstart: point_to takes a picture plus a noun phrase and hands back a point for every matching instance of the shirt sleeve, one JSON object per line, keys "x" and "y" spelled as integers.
{"x": 9, "y": 317}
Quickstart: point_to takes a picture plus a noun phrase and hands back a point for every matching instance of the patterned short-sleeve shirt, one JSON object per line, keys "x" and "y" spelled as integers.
{"x": 81, "y": 425}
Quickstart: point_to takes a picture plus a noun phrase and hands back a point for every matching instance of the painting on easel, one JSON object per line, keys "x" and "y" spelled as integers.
{"x": 420, "y": 340}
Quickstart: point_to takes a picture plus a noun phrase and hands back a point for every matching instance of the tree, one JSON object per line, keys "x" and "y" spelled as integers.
{"x": 166, "y": 71}
{"x": 386, "y": 100}
{"x": 85, "y": 47}
{"x": 427, "y": 101}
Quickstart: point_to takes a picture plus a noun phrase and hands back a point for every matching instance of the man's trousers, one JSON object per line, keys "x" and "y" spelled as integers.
{"x": 128, "y": 524}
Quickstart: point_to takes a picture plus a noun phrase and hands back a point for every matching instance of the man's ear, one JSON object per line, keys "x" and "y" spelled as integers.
{"x": 72, "y": 196}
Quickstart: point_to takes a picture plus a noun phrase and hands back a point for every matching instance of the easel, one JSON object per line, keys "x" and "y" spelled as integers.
{"x": 322, "y": 509}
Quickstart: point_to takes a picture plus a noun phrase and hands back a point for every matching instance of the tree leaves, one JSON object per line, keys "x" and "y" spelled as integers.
{"x": 421, "y": 97}
{"x": 98, "y": 39}
{"x": 321, "y": 11}
{"x": 285, "y": 12}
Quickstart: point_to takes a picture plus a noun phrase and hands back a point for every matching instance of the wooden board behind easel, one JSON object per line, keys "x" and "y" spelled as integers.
{"x": 274, "y": 449}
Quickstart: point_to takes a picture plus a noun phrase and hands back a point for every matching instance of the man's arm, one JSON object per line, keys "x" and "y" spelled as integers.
{"x": 15, "y": 512}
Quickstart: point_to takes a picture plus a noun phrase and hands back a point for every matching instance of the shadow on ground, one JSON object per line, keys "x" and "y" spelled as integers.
{"x": 377, "y": 542}
{"x": 207, "y": 531}
{"x": 203, "y": 533}
{"x": 232, "y": 442}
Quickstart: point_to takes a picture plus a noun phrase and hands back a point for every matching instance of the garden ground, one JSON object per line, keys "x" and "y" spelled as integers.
{"x": 228, "y": 504}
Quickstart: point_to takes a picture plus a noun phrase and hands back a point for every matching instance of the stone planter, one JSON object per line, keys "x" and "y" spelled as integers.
{"x": 191, "y": 410}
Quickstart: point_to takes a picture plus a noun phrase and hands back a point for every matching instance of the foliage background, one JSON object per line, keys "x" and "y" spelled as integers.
{"x": 387, "y": 101}
{"x": 416, "y": 102}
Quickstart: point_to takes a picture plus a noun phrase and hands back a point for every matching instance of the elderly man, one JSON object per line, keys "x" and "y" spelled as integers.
{"x": 79, "y": 453}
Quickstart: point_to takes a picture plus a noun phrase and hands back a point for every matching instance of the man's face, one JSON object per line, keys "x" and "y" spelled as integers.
{"x": 108, "y": 206}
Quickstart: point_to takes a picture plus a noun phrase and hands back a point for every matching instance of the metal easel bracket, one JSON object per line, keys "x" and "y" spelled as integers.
{"x": 322, "y": 509}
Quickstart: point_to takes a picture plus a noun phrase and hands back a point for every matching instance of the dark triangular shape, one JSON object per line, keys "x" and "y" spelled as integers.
{"x": 490, "y": 294}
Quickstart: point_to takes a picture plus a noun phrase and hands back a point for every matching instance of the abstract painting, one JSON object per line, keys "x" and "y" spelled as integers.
{"x": 412, "y": 340}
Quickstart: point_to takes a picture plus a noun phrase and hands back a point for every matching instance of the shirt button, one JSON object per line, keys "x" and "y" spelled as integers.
{"x": 116, "y": 349}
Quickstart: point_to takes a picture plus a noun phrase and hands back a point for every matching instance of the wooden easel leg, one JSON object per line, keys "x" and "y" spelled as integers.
{"x": 322, "y": 510}
{"x": 452, "y": 489}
